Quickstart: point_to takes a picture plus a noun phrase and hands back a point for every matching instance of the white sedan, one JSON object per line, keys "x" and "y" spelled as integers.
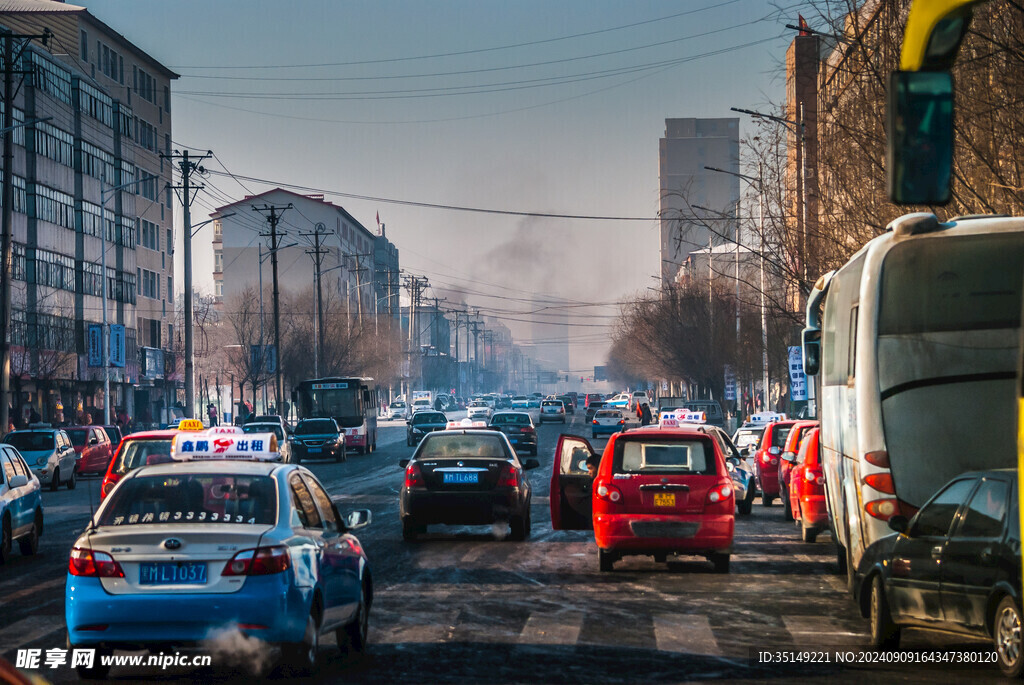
{"x": 480, "y": 409}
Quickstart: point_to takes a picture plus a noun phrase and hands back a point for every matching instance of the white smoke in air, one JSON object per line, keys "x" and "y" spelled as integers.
{"x": 230, "y": 647}
{"x": 499, "y": 529}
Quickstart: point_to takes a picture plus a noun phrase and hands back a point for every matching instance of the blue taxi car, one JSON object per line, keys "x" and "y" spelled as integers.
{"x": 21, "y": 505}
{"x": 221, "y": 539}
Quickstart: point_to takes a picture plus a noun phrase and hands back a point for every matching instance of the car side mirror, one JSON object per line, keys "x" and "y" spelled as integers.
{"x": 919, "y": 127}
{"x": 774, "y": 451}
{"x": 811, "y": 351}
{"x": 18, "y": 481}
{"x": 789, "y": 456}
{"x": 94, "y": 441}
{"x": 899, "y": 524}
{"x": 730, "y": 465}
{"x": 531, "y": 464}
{"x": 360, "y": 518}
{"x": 403, "y": 463}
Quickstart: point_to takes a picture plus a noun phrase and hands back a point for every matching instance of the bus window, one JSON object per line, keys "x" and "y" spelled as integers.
{"x": 851, "y": 367}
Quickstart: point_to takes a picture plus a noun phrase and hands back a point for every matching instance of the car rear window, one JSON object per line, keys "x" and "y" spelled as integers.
{"x": 440, "y": 445}
{"x": 316, "y": 426}
{"x": 274, "y": 428}
{"x": 510, "y": 420}
{"x": 681, "y": 456}
{"x": 78, "y": 436}
{"x": 745, "y": 438}
{"x": 552, "y": 403}
{"x": 779, "y": 435}
{"x": 30, "y": 441}
{"x": 136, "y": 453}
{"x": 597, "y": 404}
{"x": 428, "y": 418}
{"x": 608, "y": 414}
{"x": 192, "y": 498}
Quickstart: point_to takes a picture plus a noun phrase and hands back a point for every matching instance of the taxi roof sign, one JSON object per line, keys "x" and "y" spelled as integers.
{"x": 191, "y": 425}
{"x": 766, "y": 417}
{"x": 225, "y": 430}
{"x": 675, "y": 418}
{"x": 216, "y": 446}
{"x": 465, "y": 423}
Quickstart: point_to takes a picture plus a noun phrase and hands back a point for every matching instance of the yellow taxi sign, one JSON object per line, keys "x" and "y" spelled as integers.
{"x": 191, "y": 425}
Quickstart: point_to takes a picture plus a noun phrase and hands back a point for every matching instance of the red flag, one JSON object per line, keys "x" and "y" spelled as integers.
{"x": 803, "y": 26}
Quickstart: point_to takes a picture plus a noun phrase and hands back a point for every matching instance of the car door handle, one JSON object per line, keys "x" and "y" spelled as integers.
{"x": 988, "y": 555}
{"x": 936, "y": 551}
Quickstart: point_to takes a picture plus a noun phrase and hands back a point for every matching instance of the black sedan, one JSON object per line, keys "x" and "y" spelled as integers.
{"x": 317, "y": 439}
{"x": 465, "y": 477}
{"x": 519, "y": 428}
{"x": 423, "y": 422}
{"x": 955, "y": 567}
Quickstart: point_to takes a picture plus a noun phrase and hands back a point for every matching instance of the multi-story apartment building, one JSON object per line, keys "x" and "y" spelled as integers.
{"x": 90, "y": 181}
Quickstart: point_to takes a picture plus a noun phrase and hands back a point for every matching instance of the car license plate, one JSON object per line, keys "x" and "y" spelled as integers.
{"x": 513, "y": 440}
{"x": 315, "y": 450}
{"x": 664, "y": 499}
{"x": 172, "y": 573}
{"x": 461, "y": 478}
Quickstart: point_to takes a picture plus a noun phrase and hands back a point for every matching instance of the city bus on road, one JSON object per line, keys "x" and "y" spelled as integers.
{"x": 352, "y": 402}
{"x": 917, "y": 348}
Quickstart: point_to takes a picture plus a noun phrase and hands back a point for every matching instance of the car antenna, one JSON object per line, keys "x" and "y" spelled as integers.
{"x": 92, "y": 509}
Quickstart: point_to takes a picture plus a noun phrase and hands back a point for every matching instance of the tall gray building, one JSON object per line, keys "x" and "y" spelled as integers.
{"x": 688, "y": 146}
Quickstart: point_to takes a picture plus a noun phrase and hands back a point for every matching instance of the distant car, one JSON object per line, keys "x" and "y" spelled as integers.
{"x": 568, "y": 403}
{"x": 787, "y": 460}
{"x": 480, "y": 409}
{"x": 420, "y": 404}
{"x": 552, "y": 410}
{"x": 766, "y": 459}
{"x": 137, "y": 450}
{"x": 421, "y": 423}
{"x": 93, "y": 448}
{"x": 21, "y": 505}
{"x": 397, "y": 410}
{"x": 503, "y": 402}
{"x": 519, "y": 428}
{"x": 592, "y": 407}
{"x": 606, "y": 422}
{"x": 534, "y": 400}
{"x": 620, "y": 401}
{"x": 807, "y": 489}
{"x": 284, "y": 445}
{"x": 591, "y": 397}
{"x": 520, "y": 402}
{"x": 316, "y": 439}
{"x": 658, "y": 492}
{"x": 748, "y": 435}
{"x": 954, "y": 567}
{"x": 115, "y": 434}
{"x": 638, "y": 397}
{"x": 49, "y": 453}
{"x": 467, "y": 477}
{"x": 711, "y": 409}
{"x": 740, "y": 471}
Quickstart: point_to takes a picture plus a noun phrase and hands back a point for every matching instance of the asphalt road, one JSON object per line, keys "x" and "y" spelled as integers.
{"x": 464, "y": 605}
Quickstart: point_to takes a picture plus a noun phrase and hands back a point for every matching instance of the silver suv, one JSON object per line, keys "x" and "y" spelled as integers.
{"x": 49, "y": 453}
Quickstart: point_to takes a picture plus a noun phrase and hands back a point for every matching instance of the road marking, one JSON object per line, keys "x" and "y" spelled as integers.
{"x": 33, "y": 589}
{"x": 799, "y": 627}
{"x": 28, "y": 630}
{"x": 552, "y": 629}
{"x": 686, "y": 633}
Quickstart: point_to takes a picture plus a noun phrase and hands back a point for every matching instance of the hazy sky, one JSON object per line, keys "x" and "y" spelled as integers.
{"x": 531, "y": 116}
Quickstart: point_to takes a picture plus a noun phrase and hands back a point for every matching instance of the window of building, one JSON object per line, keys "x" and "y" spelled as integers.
{"x": 145, "y": 85}
{"x": 19, "y": 118}
{"x": 54, "y": 206}
{"x": 97, "y": 162}
{"x": 149, "y": 235}
{"x": 146, "y": 186}
{"x": 50, "y": 78}
{"x": 218, "y": 288}
{"x": 167, "y": 99}
{"x": 126, "y": 232}
{"x": 218, "y": 261}
{"x": 83, "y": 48}
{"x": 218, "y": 231}
{"x": 95, "y": 103}
{"x": 145, "y": 134}
{"x": 20, "y": 194}
{"x": 93, "y": 218}
{"x": 91, "y": 279}
{"x": 169, "y": 244}
{"x": 109, "y": 62}
{"x": 150, "y": 284}
{"x": 50, "y": 268}
{"x": 53, "y": 143}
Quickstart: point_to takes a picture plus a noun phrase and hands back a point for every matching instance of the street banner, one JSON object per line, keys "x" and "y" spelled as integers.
{"x": 117, "y": 345}
{"x": 730, "y": 384}
{"x": 797, "y": 379}
{"x": 95, "y": 344}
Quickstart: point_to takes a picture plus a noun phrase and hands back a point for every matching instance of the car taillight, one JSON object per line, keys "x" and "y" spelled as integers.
{"x": 883, "y": 509}
{"x": 881, "y": 482}
{"x": 108, "y": 484}
{"x": 595, "y": 422}
{"x": 879, "y": 459}
{"x": 720, "y": 493}
{"x": 92, "y": 564}
{"x": 526, "y": 429}
{"x": 622, "y": 422}
{"x": 261, "y": 561}
{"x": 812, "y": 476}
{"x": 609, "y": 492}
{"x": 775, "y": 460}
{"x": 414, "y": 476}
{"x": 509, "y": 477}
{"x": 766, "y": 458}
{"x": 720, "y": 498}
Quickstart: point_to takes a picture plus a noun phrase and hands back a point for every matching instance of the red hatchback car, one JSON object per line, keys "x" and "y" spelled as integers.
{"x": 138, "y": 449}
{"x": 93, "y": 448}
{"x": 807, "y": 489}
{"x": 766, "y": 459}
{"x": 658, "y": 491}
{"x": 788, "y": 459}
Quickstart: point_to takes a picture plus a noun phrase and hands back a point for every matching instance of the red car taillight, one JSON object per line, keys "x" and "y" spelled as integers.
{"x": 622, "y": 422}
{"x": 261, "y": 561}
{"x": 108, "y": 484}
{"x": 883, "y": 509}
{"x": 526, "y": 429}
{"x": 414, "y": 476}
{"x": 719, "y": 493}
{"x": 720, "y": 498}
{"x": 91, "y": 564}
{"x": 608, "y": 492}
{"x": 595, "y": 422}
{"x": 813, "y": 476}
{"x": 881, "y": 482}
{"x": 766, "y": 459}
{"x": 509, "y": 477}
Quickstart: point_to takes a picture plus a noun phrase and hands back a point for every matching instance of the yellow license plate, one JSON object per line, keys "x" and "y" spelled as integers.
{"x": 664, "y": 499}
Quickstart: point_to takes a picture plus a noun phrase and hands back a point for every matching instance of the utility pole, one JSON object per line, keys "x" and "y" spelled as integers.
{"x": 7, "y": 221}
{"x": 359, "y": 297}
{"x": 318, "y": 253}
{"x": 188, "y": 166}
{"x": 273, "y": 216}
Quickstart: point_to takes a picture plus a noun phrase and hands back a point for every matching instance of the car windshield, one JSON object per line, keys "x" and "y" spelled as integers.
{"x": 665, "y": 456}
{"x": 746, "y": 438}
{"x": 445, "y": 444}
{"x": 136, "y": 453}
{"x": 78, "y": 436}
{"x": 316, "y": 427}
{"x": 597, "y": 404}
{"x": 192, "y": 499}
{"x": 428, "y": 417}
{"x": 510, "y": 420}
{"x": 274, "y": 428}
{"x": 604, "y": 414}
{"x": 478, "y": 404}
{"x": 398, "y": 405}
{"x": 30, "y": 441}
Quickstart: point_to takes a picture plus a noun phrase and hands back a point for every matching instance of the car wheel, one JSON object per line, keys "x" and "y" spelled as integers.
{"x": 301, "y": 657}
{"x": 73, "y": 481}
{"x": 808, "y": 533}
{"x": 1007, "y": 639}
{"x": 29, "y": 544}
{"x": 408, "y": 442}
{"x": 352, "y": 637}
{"x": 766, "y": 499}
{"x": 720, "y": 562}
{"x": 5, "y": 540}
{"x": 410, "y": 530}
{"x": 338, "y": 456}
{"x": 885, "y": 634}
{"x": 520, "y": 527}
{"x": 606, "y": 560}
{"x": 787, "y": 512}
{"x": 745, "y": 506}
{"x": 55, "y": 481}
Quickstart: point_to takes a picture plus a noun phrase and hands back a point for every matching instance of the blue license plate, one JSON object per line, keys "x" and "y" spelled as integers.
{"x": 513, "y": 440}
{"x": 315, "y": 450}
{"x": 461, "y": 478}
{"x": 172, "y": 573}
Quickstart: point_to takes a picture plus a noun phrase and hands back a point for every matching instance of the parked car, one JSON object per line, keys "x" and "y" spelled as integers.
{"x": 659, "y": 491}
{"x": 788, "y": 459}
{"x": 93, "y": 448}
{"x": 766, "y": 458}
{"x": 519, "y": 428}
{"x": 421, "y": 423}
{"x": 552, "y": 410}
{"x": 49, "y": 453}
{"x": 807, "y": 489}
{"x": 21, "y": 505}
{"x": 955, "y": 567}
{"x": 316, "y": 439}
{"x": 606, "y": 422}
{"x": 468, "y": 477}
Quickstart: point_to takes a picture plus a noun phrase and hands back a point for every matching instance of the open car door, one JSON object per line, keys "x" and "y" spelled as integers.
{"x": 571, "y": 485}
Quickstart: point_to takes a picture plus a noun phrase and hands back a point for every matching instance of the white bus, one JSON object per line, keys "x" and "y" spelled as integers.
{"x": 917, "y": 349}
